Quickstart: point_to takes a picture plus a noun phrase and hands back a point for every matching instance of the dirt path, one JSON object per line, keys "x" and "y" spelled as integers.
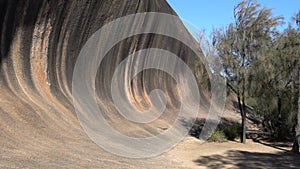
{"x": 192, "y": 154}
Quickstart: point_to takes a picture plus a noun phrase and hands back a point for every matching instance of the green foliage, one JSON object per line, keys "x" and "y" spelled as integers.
{"x": 261, "y": 66}
{"x": 232, "y": 131}
{"x": 217, "y": 136}
{"x": 226, "y": 130}
{"x": 241, "y": 44}
{"x": 296, "y": 18}
{"x": 273, "y": 87}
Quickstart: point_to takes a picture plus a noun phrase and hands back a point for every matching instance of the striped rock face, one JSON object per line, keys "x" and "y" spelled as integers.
{"x": 41, "y": 41}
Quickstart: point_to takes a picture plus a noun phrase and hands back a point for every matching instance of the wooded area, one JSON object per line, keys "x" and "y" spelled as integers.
{"x": 261, "y": 66}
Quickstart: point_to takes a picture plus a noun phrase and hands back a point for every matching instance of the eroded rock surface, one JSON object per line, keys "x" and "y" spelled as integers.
{"x": 40, "y": 41}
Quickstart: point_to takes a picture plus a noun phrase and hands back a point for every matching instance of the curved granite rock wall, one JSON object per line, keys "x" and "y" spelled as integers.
{"x": 40, "y": 41}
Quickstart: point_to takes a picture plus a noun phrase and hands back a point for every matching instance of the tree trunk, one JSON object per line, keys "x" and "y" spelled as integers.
{"x": 279, "y": 122}
{"x": 241, "y": 107}
{"x": 297, "y": 128}
{"x": 243, "y": 140}
{"x": 243, "y": 113}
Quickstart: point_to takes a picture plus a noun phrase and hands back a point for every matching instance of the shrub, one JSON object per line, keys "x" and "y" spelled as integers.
{"x": 232, "y": 131}
{"x": 217, "y": 136}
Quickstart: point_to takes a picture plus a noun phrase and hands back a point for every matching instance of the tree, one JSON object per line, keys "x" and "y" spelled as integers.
{"x": 273, "y": 83}
{"x": 297, "y": 128}
{"x": 240, "y": 44}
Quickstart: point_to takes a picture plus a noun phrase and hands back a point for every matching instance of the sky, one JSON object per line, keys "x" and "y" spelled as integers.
{"x": 206, "y": 14}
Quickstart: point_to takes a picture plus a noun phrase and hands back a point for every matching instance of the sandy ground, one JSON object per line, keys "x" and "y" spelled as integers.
{"x": 191, "y": 153}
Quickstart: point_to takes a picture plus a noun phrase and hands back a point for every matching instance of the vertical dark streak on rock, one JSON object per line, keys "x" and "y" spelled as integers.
{"x": 26, "y": 43}
{"x": 7, "y": 16}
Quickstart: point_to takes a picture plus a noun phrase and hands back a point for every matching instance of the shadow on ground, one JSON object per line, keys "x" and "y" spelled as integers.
{"x": 245, "y": 159}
